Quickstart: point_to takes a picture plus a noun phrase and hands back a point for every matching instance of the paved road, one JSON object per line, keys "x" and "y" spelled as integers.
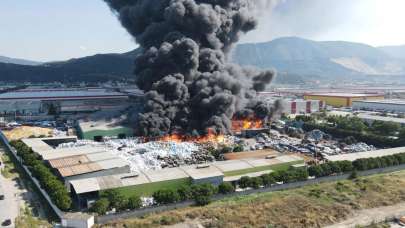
{"x": 10, "y": 206}
{"x": 368, "y": 216}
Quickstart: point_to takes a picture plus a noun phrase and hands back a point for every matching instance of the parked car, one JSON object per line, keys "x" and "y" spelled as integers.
{"x": 6, "y": 222}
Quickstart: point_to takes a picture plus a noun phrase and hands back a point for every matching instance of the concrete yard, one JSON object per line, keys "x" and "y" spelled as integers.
{"x": 251, "y": 154}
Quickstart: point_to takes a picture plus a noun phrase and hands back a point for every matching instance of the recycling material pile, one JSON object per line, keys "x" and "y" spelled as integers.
{"x": 359, "y": 147}
{"x": 151, "y": 155}
{"x": 314, "y": 142}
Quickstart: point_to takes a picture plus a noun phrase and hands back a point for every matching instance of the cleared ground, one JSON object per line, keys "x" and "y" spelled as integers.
{"x": 370, "y": 216}
{"x": 26, "y": 131}
{"x": 311, "y": 206}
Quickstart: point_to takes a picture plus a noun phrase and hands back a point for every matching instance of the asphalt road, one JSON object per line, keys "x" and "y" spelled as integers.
{"x": 10, "y": 206}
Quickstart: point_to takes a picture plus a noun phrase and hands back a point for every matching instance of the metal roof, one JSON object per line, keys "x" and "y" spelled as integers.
{"x": 68, "y": 152}
{"x": 381, "y": 118}
{"x": 60, "y": 94}
{"x": 196, "y": 172}
{"x": 152, "y": 176}
{"x": 39, "y": 146}
{"x": 165, "y": 175}
{"x": 345, "y": 94}
{"x": 392, "y": 101}
{"x": 76, "y": 160}
{"x": 368, "y": 154}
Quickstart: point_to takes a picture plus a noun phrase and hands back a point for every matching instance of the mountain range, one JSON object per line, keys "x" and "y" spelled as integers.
{"x": 332, "y": 58}
{"x": 4, "y": 59}
{"x": 289, "y": 56}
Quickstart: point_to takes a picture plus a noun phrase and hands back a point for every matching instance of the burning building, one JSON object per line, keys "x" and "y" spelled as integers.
{"x": 190, "y": 87}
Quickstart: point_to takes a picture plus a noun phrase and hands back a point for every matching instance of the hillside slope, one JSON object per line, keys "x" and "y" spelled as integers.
{"x": 394, "y": 51}
{"x": 300, "y": 60}
{"x": 4, "y": 59}
{"x": 333, "y": 58}
{"x": 102, "y": 67}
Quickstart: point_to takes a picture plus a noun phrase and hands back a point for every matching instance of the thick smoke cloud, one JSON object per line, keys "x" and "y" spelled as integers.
{"x": 190, "y": 87}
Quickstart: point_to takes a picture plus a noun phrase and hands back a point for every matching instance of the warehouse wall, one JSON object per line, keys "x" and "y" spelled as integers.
{"x": 341, "y": 101}
{"x": 379, "y": 106}
{"x": 333, "y": 101}
{"x": 365, "y": 99}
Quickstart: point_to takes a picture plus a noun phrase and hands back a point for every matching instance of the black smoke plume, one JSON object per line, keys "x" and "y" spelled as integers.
{"x": 190, "y": 87}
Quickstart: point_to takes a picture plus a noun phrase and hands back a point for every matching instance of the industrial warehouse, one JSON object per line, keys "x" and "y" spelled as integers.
{"x": 342, "y": 99}
{"x": 77, "y": 163}
{"x": 393, "y": 105}
{"x": 87, "y": 190}
{"x": 51, "y": 101}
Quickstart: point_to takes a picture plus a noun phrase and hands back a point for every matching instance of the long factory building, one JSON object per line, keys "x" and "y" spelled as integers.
{"x": 86, "y": 191}
{"x": 45, "y": 101}
{"x": 395, "y": 105}
{"x": 342, "y": 99}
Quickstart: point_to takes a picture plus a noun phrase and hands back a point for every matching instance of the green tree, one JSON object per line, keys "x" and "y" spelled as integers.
{"x": 244, "y": 182}
{"x": 117, "y": 200}
{"x": 184, "y": 192}
{"x": 255, "y": 182}
{"x": 134, "y": 202}
{"x": 100, "y": 206}
{"x": 345, "y": 166}
{"x": 203, "y": 193}
{"x": 166, "y": 196}
{"x": 385, "y": 128}
{"x": 267, "y": 179}
{"x": 315, "y": 171}
{"x": 225, "y": 188}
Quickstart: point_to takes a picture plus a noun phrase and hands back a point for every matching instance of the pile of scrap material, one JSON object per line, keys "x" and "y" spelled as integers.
{"x": 151, "y": 155}
{"x": 359, "y": 147}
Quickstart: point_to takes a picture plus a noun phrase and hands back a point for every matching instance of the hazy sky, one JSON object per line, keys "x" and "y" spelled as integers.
{"x": 47, "y": 30}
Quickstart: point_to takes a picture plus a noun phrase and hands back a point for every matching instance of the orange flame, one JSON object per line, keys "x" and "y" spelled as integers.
{"x": 245, "y": 124}
{"x": 209, "y": 137}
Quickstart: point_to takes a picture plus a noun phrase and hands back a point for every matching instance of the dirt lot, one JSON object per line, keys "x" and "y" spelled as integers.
{"x": 26, "y": 131}
{"x": 311, "y": 206}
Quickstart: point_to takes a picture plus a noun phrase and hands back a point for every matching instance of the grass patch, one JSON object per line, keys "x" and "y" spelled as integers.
{"x": 8, "y": 170}
{"x": 27, "y": 220}
{"x": 310, "y": 206}
{"x": 150, "y": 188}
{"x": 283, "y": 166}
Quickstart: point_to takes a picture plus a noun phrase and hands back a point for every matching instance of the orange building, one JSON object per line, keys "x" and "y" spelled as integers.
{"x": 342, "y": 99}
